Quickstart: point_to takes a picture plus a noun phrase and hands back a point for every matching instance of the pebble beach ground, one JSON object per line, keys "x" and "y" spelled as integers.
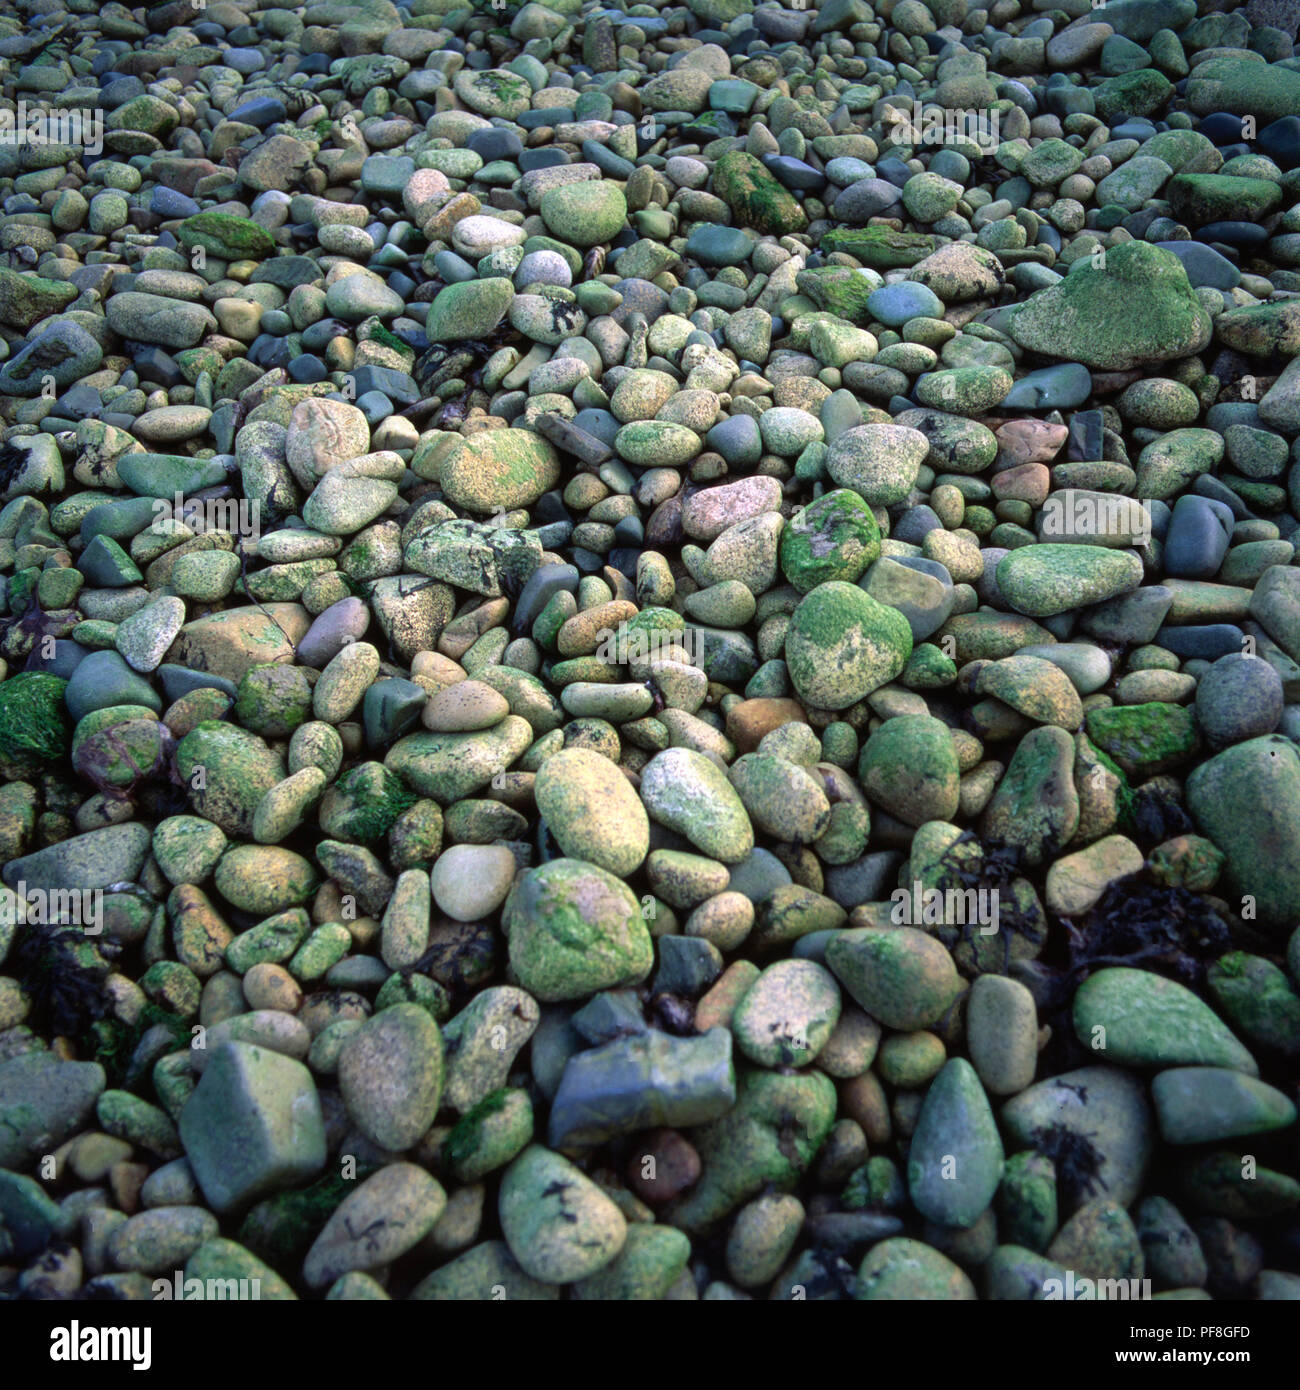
{"x": 650, "y": 652}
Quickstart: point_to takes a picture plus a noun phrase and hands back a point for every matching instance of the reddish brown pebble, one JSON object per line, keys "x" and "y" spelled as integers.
{"x": 662, "y": 1166}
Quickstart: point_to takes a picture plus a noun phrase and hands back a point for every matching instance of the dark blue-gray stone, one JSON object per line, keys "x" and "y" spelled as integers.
{"x": 1198, "y": 536}
{"x": 713, "y": 245}
{"x": 1204, "y": 265}
{"x": 541, "y": 586}
{"x": 608, "y": 1015}
{"x": 180, "y": 680}
{"x": 1209, "y": 641}
{"x": 1050, "y": 388}
{"x": 391, "y": 708}
{"x": 104, "y": 679}
{"x": 642, "y": 1081}
{"x": 688, "y": 965}
{"x": 737, "y": 439}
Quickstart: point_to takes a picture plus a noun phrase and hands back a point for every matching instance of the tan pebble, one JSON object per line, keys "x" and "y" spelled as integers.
{"x": 464, "y": 707}
{"x": 268, "y": 986}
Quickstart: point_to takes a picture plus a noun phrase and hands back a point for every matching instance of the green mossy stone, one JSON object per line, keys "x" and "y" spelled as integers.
{"x": 488, "y": 1136}
{"x": 899, "y": 975}
{"x": 558, "y": 1224}
{"x": 1139, "y": 1019}
{"x": 756, "y": 198}
{"x": 575, "y": 929}
{"x": 227, "y": 771}
{"x": 1138, "y": 309}
{"x": 1041, "y": 581}
{"x": 484, "y": 1273}
{"x": 833, "y": 538}
{"x": 651, "y": 1261}
{"x": 1144, "y": 739}
{"x": 905, "y": 1269}
{"x": 909, "y": 767}
{"x": 1027, "y": 1200}
{"x": 1258, "y": 998}
{"x": 34, "y": 726}
{"x": 226, "y": 236}
{"x": 841, "y": 645}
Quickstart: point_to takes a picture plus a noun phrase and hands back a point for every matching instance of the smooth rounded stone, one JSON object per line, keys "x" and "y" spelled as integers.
{"x": 470, "y": 882}
{"x": 1258, "y": 998}
{"x": 708, "y": 513}
{"x": 842, "y": 644}
{"x": 954, "y": 1164}
{"x": 44, "y": 1100}
{"x": 1076, "y": 882}
{"x": 1034, "y": 687}
{"x": 1036, "y": 804}
{"x": 780, "y": 797}
{"x": 1246, "y": 799}
{"x": 657, "y": 444}
{"x": 592, "y": 810}
{"x": 1002, "y": 1034}
{"x": 252, "y": 1126}
{"x": 1138, "y": 309}
{"x": 1197, "y": 538}
{"x": 478, "y": 1274}
{"x": 152, "y": 318}
{"x": 878, "y": 462}
{"x": 909, "y": 766}
{"x": 1239, "y": 698}
{"x": 912, "y": 587}
{"x": 1087, "y": 666}
{"x": 467, "y": 706}
{"x": 543, "y": 268}
{"x": 585, "y": 214}
{"x": 470, "y": 310}
{"x": 787, "y": 432}
{"x": 558, "y": 1224}
{"x": 719, "y": 246}
{"x": 391, "y": 1075}
{"x": 387, "y": 1215}
{"x": 788, "y": 1014}
{"x": 902, "y": 1269}
{"x": 144, "y": 637}
{"x": 833, "y": 538}
{"x": 574, "y": 929}
{"x": 690, "y": 794}
{"x": 893, "y": 305}
{"x": 616, "y": 703}
{"x": 1046, "y": 579}
{"x": 737, "y": 439}
{"x": 356, "y": 297}
{"x": 227, "y": 772}
{"x": 152, "y": 1242}
{"x": 1137, "y": 1018}
{"x": 450, "y": 767}
{"x": 342, "y": 504}
{"x": 1202, "y": 1105}
{"x": 264, "y": 878}
{"x": 1098, "y": 1242}
{"x": 901, "y": 976}
{"x": 499, "y": 470}
{"x": 1204, "y": 265}
{"x": 103, "y": 679}
{"x": 1050, "y": 388}
{"x": 1103, "y": 1105}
